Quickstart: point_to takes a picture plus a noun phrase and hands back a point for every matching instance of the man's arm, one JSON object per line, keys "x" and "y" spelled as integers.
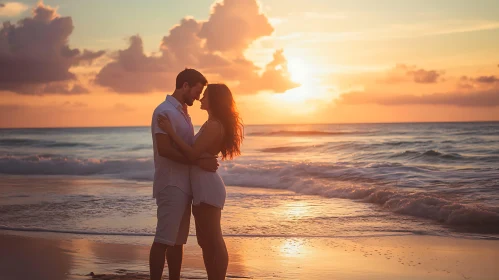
{"x": 165, "y": 149}
{"x": 206, "y": 139}
{"x": 164, "y": 143}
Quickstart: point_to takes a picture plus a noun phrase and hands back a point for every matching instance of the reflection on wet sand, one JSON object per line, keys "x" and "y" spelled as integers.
{"x": 293, "y": 248}
{"x": 106, "y": 260}
{"x": 27, "y": 258}
{"x": 390, "y": 257}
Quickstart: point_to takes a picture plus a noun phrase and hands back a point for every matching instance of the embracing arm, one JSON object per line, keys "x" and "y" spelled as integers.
{"x": 203, "y": 142}
{"x": 163, "y": 141}
{"x": 166, "y": 149}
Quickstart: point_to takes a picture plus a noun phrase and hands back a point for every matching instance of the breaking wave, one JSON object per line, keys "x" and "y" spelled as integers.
{"x": 40, "y": 143}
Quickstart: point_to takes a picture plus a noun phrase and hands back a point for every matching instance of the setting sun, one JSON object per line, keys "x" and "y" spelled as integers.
{"x": 299, "y": 70}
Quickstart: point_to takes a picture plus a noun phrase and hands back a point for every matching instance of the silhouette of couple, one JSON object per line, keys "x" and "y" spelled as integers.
{"x": 185, "y": 174}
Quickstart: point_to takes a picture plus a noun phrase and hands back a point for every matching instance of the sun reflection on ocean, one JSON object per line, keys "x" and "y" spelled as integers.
{"x": 296, "y": 209}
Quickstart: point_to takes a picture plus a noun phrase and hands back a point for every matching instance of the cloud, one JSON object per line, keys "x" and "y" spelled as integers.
{"x": 183, "y": 45}
{"x": 464, "y": 91}
{"x": 215, "y": 47}
{"x": 404, "y": 73}
{"x": 133, "y": 71}
{"x": 487, "y": 79}
{"x": 64, "y": 88}
{"x": 12, "y": 9}
{"x": 275, "y": 78}
{"x": 422, "y": 76}
{"x": 233, "y": 25}
{"x": 34, "y": 53}
{"x": 466, "y": 82}
{"x": 88, "y": 57}
{"x": 479, "y": 98}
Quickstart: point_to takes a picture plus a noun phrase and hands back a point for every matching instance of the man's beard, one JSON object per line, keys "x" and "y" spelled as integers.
{"x": 189, "y": 102}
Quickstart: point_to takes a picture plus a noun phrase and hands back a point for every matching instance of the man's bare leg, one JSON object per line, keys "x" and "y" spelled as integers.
{"x": 174, "y": 257}
{"x": 157, "y": 260}
{"x": 160, "y": 252}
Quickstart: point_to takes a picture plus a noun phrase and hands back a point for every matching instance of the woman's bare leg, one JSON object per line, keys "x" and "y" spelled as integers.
{"x": 210, "y": 238}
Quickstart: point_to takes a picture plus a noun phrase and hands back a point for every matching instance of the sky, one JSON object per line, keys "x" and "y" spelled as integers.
{"x": 110, "y": 63}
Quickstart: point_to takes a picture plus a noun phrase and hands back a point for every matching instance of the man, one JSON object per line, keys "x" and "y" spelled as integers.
{"x": 171, "y": 187}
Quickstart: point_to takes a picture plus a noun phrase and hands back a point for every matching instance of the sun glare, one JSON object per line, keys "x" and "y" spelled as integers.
{"x": 301, "y": 98}
{"x": 299, "y": 70}
{"x": 296, "y": 95}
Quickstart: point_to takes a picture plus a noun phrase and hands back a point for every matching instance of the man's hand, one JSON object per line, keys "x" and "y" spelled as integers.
{"x": 208, "y": 164}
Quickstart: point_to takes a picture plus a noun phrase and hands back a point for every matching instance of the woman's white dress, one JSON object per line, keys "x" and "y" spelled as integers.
{"x": 207, "y": 187}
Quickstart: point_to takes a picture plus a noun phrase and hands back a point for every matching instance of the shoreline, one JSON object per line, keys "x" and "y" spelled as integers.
{"x": 89, "y": 235}
{"x": 69, "y": 256}
{"x": 142, "y": 188}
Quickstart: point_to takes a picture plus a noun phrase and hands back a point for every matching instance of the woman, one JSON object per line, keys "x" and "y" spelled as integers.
{"x": 222, "y": 132}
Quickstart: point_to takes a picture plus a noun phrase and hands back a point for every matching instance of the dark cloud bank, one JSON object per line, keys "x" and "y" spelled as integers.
{"x": 35, "y": 57}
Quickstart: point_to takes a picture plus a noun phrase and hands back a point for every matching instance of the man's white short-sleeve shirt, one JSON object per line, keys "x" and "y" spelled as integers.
{"x": 168, "y": 172}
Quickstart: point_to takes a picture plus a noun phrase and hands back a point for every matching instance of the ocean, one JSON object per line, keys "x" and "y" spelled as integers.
{"x": 334, "y": 180}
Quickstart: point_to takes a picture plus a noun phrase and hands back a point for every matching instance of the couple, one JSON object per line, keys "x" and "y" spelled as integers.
{"x": 185, "y": 173}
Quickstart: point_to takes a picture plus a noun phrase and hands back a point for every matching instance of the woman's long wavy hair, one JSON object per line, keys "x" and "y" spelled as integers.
{"x": 223, "y": 108}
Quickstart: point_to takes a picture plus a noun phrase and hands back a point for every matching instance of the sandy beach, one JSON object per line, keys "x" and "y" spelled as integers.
{"x": 59, "y": 256}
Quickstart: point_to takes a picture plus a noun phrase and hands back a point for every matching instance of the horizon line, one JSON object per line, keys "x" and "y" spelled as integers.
{"x": 265, "y": 124}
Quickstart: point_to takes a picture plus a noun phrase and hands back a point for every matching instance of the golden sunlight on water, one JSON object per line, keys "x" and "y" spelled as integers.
{"x": 293, "y": 248}
{"x": 296, "y": 209}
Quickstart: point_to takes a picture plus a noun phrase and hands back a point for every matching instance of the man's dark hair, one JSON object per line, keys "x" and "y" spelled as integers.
{"x": 191, "y": 77}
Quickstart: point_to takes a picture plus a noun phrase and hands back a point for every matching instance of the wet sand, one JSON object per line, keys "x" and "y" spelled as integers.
{"x": 29, "y": 256}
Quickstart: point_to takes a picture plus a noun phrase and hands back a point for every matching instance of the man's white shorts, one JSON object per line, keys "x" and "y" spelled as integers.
{"x": 174, "y": 215}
